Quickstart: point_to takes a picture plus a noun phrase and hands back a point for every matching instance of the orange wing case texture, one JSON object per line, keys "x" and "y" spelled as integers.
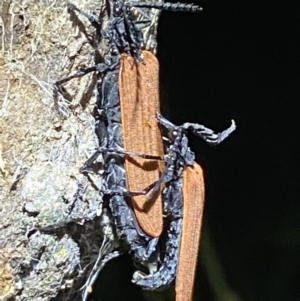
{"x": 193, "y": 198}
{"x": 139, "y": 97}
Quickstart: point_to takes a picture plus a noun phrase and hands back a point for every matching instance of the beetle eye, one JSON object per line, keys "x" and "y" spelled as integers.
{"x": 172, "y": 134}
{"x": 117, "y": 7}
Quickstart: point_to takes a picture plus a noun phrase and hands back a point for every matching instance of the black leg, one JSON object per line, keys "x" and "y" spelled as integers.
{"x": 95, "y": 21}
{"x": 116, "y": 151}
{"x": 208, "y": 135}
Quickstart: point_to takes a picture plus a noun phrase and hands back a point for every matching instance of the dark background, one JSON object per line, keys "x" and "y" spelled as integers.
{"x": 240, "y": 60}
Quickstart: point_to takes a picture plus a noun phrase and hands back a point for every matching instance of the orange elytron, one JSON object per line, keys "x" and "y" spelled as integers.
{"x": 193, "y": 198}
{"x": 139, "y": 97}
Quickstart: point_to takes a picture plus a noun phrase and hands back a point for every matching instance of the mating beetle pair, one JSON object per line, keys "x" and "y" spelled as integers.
{"x": 181, "y": 201}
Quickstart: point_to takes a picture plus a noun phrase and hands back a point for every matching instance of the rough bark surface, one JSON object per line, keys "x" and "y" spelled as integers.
{"x": 44, "y": 141}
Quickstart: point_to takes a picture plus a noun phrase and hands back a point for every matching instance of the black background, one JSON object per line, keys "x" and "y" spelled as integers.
{"x": 240, "y": 60}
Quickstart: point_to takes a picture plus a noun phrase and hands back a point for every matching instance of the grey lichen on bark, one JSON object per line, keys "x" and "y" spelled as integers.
{"x": 44, "y": 140}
